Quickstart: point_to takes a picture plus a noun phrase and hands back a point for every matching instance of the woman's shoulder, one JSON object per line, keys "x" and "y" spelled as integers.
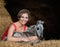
{"x": 13, "y": 25}
{"x": 25, "y": 27}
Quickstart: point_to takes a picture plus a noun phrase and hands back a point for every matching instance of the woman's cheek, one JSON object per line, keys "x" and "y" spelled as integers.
{"x": 27, "y": 19}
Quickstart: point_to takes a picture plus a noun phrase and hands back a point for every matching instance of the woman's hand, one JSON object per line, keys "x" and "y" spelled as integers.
{"x": 25, "y": 39}
{"x": 33, "y": 38}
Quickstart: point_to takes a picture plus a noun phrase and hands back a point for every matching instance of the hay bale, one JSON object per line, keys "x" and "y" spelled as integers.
{"x": 5, "y": 19}
{"x": 48, "y": 43}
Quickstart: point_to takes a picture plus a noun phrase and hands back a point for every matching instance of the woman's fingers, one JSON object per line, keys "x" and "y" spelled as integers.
{"x": 32, "y": 38}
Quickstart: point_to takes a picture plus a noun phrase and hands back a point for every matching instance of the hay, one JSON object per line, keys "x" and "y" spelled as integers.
{"x": 48, "y": 43}
{"x": 4, "y": 17}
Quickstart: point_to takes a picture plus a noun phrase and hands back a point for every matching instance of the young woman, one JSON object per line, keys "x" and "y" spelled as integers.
{"x": 20, "y": 26}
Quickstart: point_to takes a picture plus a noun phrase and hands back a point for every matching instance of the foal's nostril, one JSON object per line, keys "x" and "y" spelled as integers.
{"x": 37, "y": 28}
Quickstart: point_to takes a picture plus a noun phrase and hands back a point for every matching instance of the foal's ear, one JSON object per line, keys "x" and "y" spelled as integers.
{"x": 40, "y": 22}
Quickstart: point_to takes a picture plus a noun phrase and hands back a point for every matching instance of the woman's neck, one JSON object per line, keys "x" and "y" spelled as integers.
{"x": 20, "y": 24}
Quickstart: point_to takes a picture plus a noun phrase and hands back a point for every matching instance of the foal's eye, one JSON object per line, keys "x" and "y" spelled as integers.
{"x": 37, "y": 28}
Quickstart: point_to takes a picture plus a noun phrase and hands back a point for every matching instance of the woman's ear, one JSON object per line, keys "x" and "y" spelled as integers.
{"x": 18, "y": 18}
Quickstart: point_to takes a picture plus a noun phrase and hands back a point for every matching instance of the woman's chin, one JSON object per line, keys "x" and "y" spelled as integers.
{"x": 23, "y": 23}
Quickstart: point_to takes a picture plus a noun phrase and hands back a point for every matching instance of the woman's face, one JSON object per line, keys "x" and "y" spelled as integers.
{"x": 24, "y": 18}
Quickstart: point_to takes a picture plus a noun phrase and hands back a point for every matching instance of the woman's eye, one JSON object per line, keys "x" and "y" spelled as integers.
{"x": 26, "y": 17}
{"x": 22, "y": 17}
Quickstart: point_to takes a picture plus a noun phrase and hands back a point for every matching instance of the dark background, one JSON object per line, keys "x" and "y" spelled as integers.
{"x": 46, "y": 10}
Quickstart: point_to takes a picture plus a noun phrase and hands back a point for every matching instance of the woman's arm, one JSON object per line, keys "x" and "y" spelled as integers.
{"x": 10, "y": 33}
{"x": 11, "y": 38}
{"x": 33, "y": 38}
